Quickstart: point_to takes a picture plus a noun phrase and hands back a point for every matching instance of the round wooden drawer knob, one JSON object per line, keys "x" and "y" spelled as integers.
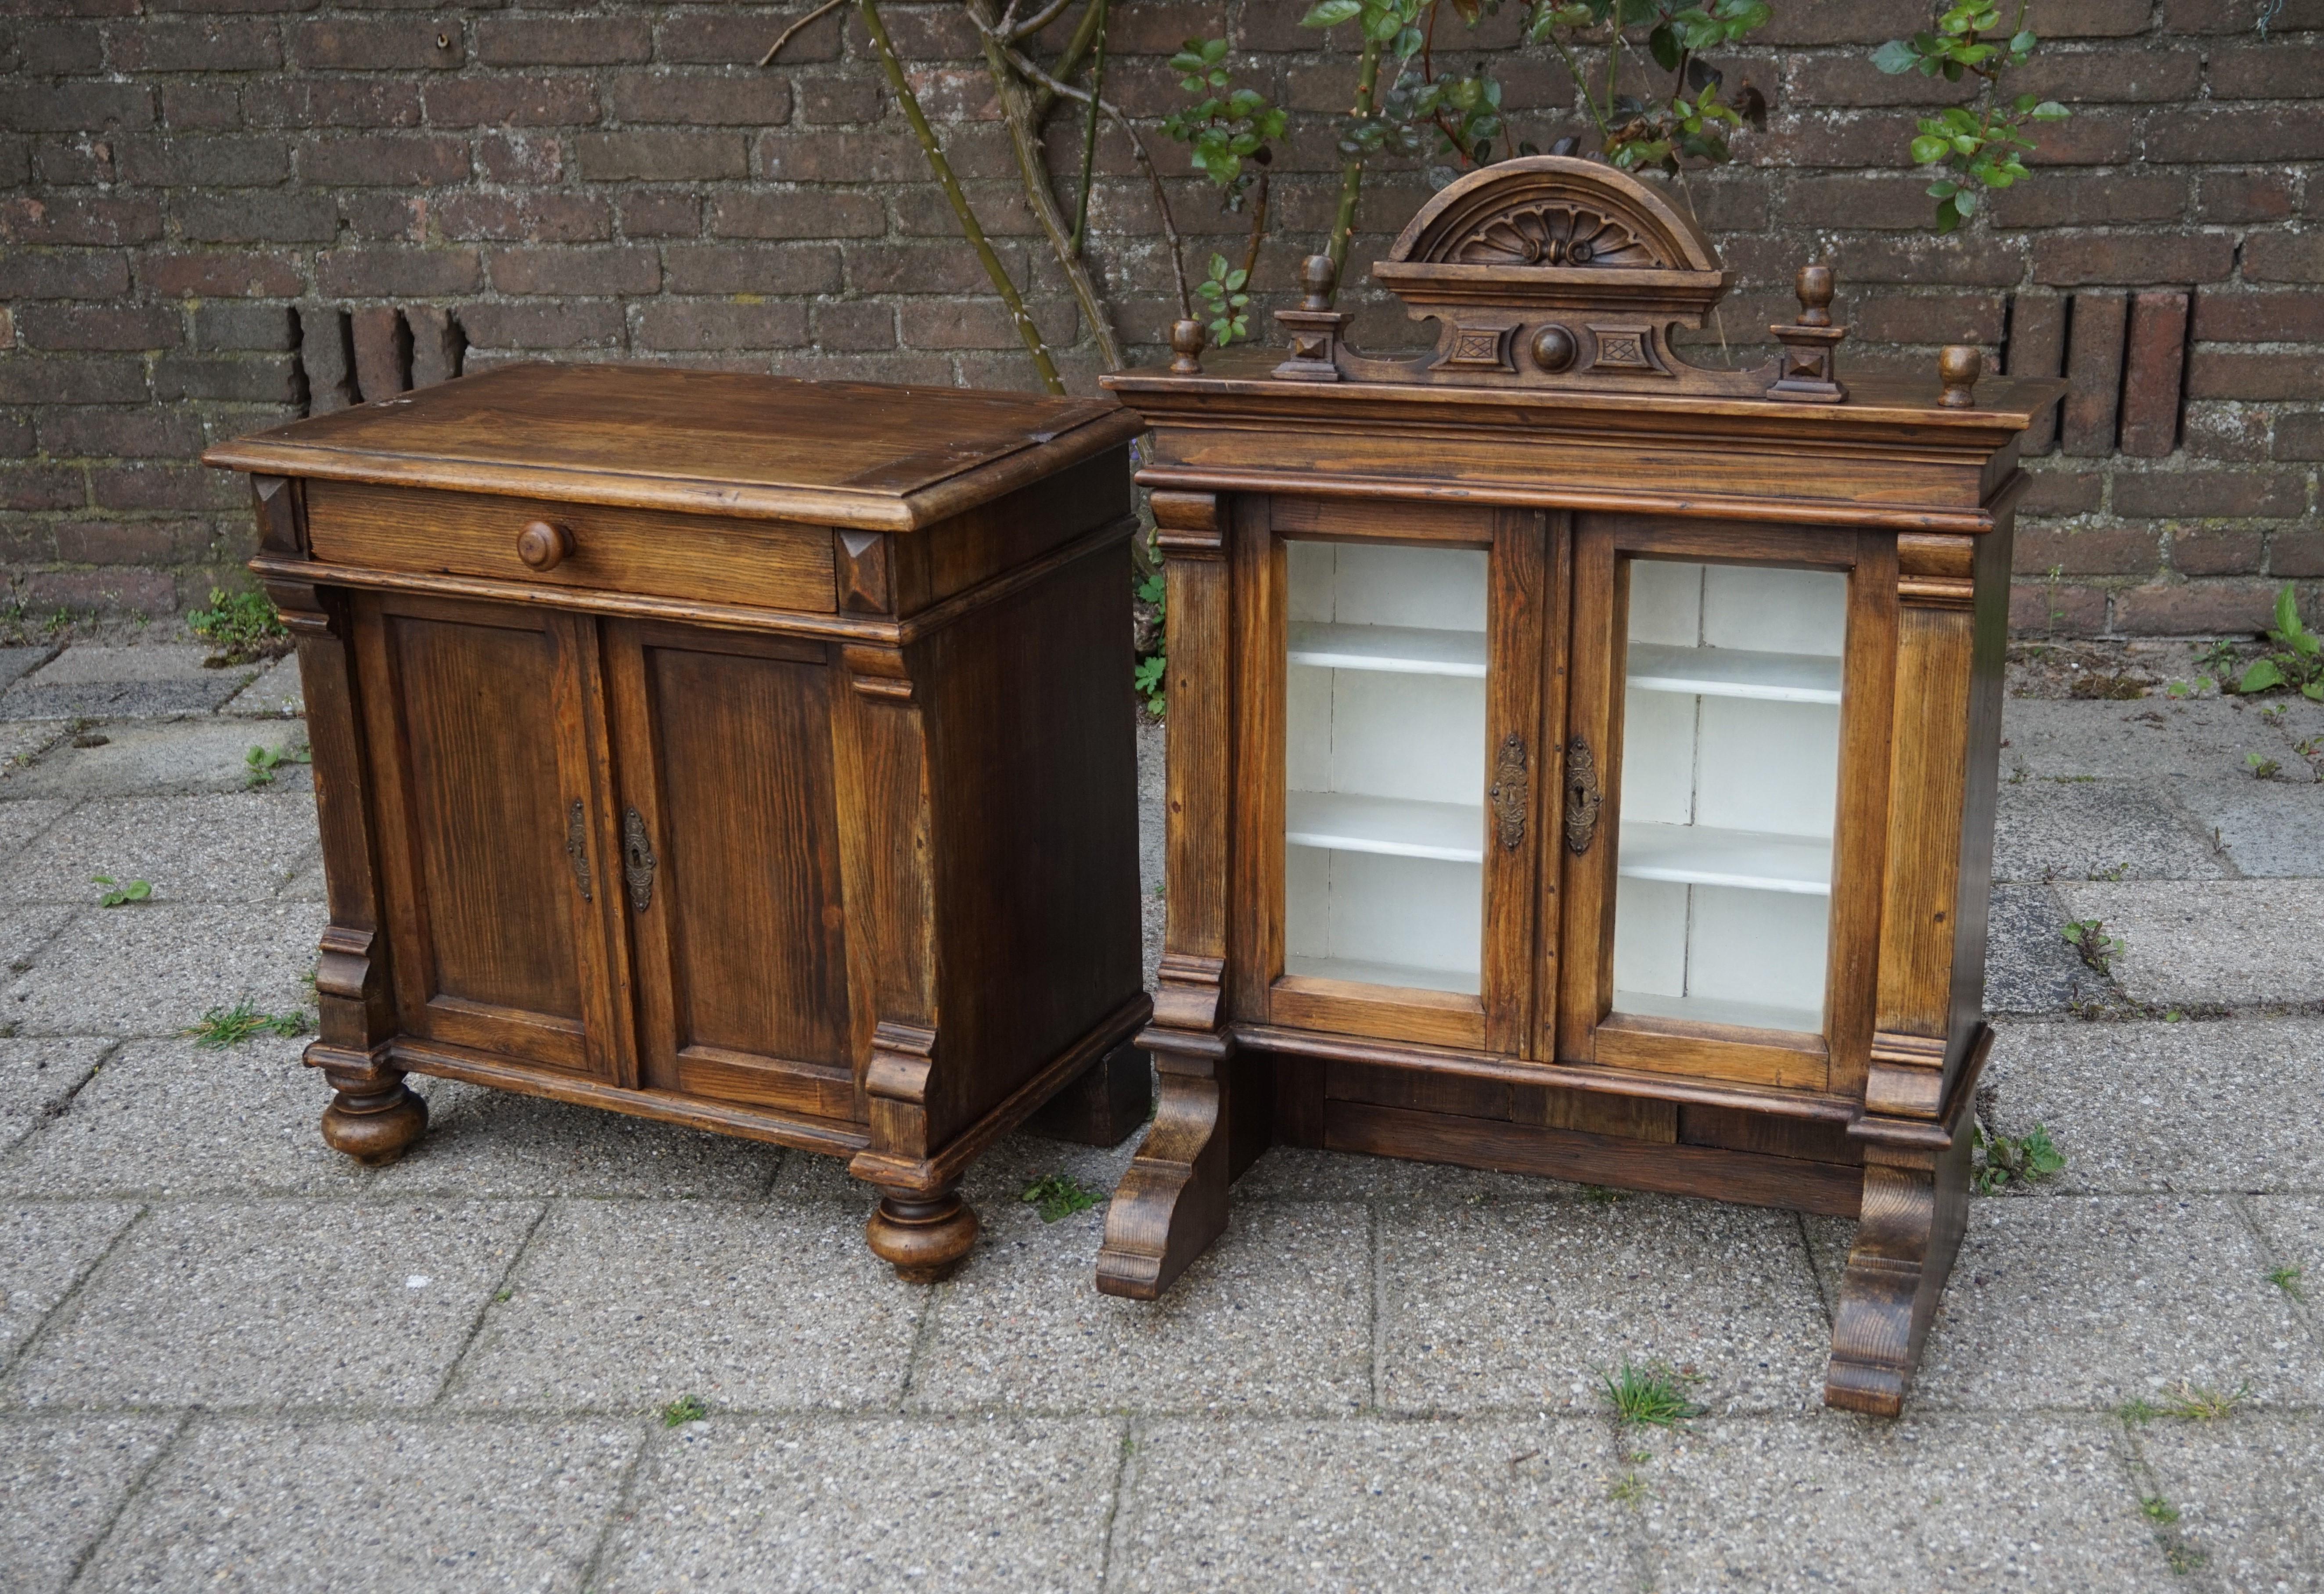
{"x": 544, "y": 545}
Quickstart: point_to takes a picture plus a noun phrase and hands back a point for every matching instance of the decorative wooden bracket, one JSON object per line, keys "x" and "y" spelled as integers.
{"x": 1550, "y": 271}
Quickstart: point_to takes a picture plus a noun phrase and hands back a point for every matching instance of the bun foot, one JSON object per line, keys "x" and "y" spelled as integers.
{"x": 923, "y": 1237}
{"x": 374, "y": 1123}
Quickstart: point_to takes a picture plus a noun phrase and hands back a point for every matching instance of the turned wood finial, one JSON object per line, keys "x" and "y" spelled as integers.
{"x": 1815, "y": 289}
{"x": 1959, "y": 365}
{"x": 1318, "y": 276}
{"x": 1187, "y": 346}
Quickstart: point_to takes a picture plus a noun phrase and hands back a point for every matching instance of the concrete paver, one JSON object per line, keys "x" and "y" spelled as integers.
{"x": 169, "y": 757}
{"x": 45, "y": 1249}
{"x": 2029, "y": 968}
{"x": 981, "y": 1503}
{"x": 267, "y": 1304}
{"x": 2073, "y": 830}
{"x": 378, "y": 1505}
{"x": 15, "y": 663}
{"x": 121, "y": 682}
{"x": 2266, "y": 828}
{"x": 20, "y": 823}
{"x": 2206, "y": 738}
{"x": 1371, "y": 1505}
{"x": 64, "y": 1479}
{"x": 2249, "y": 1494}
{"x": 21, "y": 741}
{"x": 24, "y": 931}
{"x": 154, "y": 968}
{"x": 242, "y": 848}
{"x": 37, "y": 1077}
{"x": 2238, "y": 942}
{"x": 276, "y": 693}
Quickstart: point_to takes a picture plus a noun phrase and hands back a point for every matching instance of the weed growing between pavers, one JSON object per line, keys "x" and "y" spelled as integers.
{"x": 262, "y": 761}
{"x": 685, "y": 1409}
{"x": 118, "y": 894}
{"x": 1651, "y": 1396}
{"x": 2188, "y": 1402}
{"x": 2287, "y": 1279}
{"x": 225, "y": 1026}
{"x": 1999, "y": 1161}
{"x": 2097, "y": 949}
{"x": 2262, "y": 767}
{"x": 1060, "y": 1195}
{"x": 241, "y": 627}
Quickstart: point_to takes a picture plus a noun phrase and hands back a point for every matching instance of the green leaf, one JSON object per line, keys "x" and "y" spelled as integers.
{"x": 1926, "y": 150}
{"x": 1948, "y": 214}
{"x": 2313, "y": 691}
{"x": 1663, "y": 43}
{"x": 2023, "y": 42}
{"x": 1330, "y": 14}
{"x": 2262, "y": 675}
{"x": 2049, "y": 110}
{"x": 1896, "y": 56}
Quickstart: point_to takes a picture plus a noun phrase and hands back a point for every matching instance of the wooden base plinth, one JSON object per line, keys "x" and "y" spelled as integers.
{"x": 1210, "y": 1122}
{"x": 923, "y": 1237}
{"x": 1108, "y": 1101}
{"x": 373, "y": 1120}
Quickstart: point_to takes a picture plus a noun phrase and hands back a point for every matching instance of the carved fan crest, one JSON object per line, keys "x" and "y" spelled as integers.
{"x": 1553, "y": 236}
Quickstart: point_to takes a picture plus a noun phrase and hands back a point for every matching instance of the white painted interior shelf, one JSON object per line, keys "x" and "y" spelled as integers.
{"x": 1398, "y": 826}
{"x": 1755, "y": 860}
{"x": 1367, "y": 974}
{"x": 1733, "y": 672}
{"x": 1397, "y": 649}
{"x": 1708, "y": 1009}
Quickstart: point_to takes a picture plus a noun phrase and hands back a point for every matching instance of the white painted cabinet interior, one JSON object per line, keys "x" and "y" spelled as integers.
{"x": 1385, "y": 760}
{"x": 1730, "y": 773}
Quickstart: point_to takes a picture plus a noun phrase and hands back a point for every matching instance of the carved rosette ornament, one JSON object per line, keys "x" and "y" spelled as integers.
{"x": 1551, "y": 272}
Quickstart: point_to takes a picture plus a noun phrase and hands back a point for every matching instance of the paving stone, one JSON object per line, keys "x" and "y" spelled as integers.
{"x": 385, "y": 1505}
{"x": 1369, "y": 1504}
{"x": 48, "y": 1245}
{"x": 1535, "y": 1304}
{"x": 2088, "y": 1301}
{"x": 21, "y": 742}
{"x": 486, "y": 1142}
{"x": 167, "y": 1118}
{"x": 1153, "y": 770}
{"x": 20, "y": 823}
{"x": 2267, "y": 828}
{"x": 991, "y": 1503}
{"x": 998, "y": 1178}
{"x": 37, "y": 1077}
{"x": 2029, "y": 968}
{"x": 1830, "y": 1501}
{"x": 15, "y": 663}
{"x": 2293, "y": 1229}
{"x": 277, "y": 693}
{"x": 2238, "y": 941}
{"x": 628, "y": 1305}
{"x": 25, "y": 933}
{"x": 1275, "y": 1317}
{"x": 2090, "y": 829}
{"x": 98, "y": 682}
{"x": 2188, "y": 1107}
{"x": 226, "y": 849}
{"x": 154, "y": 968}
{"x": 64, "y": 1479}
{"x": 278, "y": 1303}
{"x": 2249, "y": 1493}
{"x": 164, "y": 758}
{"x": 2202, "y": 737}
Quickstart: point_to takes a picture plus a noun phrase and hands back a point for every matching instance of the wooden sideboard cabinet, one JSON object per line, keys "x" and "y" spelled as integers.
{"x": 1581, "y": 762}
{"x": 750, "y": 754}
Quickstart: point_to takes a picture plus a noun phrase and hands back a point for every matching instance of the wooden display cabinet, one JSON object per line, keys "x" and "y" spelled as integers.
{"x": 749, "y": 754}
{"x": 1580, "y": 763}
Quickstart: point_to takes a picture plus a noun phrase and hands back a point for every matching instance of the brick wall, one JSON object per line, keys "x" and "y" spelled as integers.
{"x": 221, "y": 213}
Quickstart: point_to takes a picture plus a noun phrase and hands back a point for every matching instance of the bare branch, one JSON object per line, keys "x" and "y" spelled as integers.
{"x": 1034, "y": 24}
{"x": 818, "y": 14}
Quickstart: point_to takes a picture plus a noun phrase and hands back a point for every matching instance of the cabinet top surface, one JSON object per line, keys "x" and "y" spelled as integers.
{"x": 850, "y": 453}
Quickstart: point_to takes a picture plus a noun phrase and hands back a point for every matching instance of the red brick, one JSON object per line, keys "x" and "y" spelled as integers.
{"x": 2236, "y": 133}
{"x": 821, "y": 101}
{"x": 383, "y": 352}
{"x": 375, "y": 216}
{"x": 242, "y": 379}
{"x": 2105, "y": 550}
{"x": 659, "y": 215}
{"x": 2227, "y": 494}
{"x": 305, "y": 103}
{"x": 201, "y": 107}
{"x": 2196, "y": 550}
{"x": 2036, "y": 347}
{"x": 715, "y": 40}
{"x": 107, "y": 591}
{"x": 156, "y": 44}
{"x": 256, "y": 218}
{"x": 512, "y": 102}
{"x": 2283, "y": 257}
{"x": 2056, "y": 199}
{"x": 2154, "y": 365}
{"x": 2281, "y": 70}
{"x": 519, "y": 157}
{"x": 80, "y": 432}
{"x": 93, "y": 326}
{"x": 2195, "y": 609}
{"x": 2241, "y": 16}
{"x": 856, "y": 326}
{"x": 1929, "y": 318}
{"x": 56, "y": 50}
{"x": 89, "y": 378}
{"x": 42, "y": 487}
{"x": 1890, "y": 202}
{"x": 578, "y": 273}
{"x": 903, "y": 268}
{"x": 2061, "y": 492}
{"x": 2236, "y": 433}
{"x": 799, "y": 213}
{"x": 2295, "y": 553}
{"x": 2044, "y": 609}
{"x": 177, "y": 162}
{"x": 399, "y": 44}
{"x": 2092, "y": 137}
{"x": 219, "y": 275}
{"x": 557, "y": 41}
{"x": 2299, "y": 436}
{"x": 702, "y": 99}
{"x": 2239, "y": 373}
{"x": 79, "y": 218}
{"x": 544, "y": 324}
{"x": 842, "y": 157}
{"x": 2090, "y": 19}
{"x": 537, "y": 217}
{"x": 393, "y": 273}
{"x": 384, "y": 160}
{"x": 2245, "y": 195}
{"x": 2094, "y": 350}
{"x": 2285, "y": 315}
{"x": 719, "y": 324}
{"x": 132, "y": 542}
{"x": 2136, "y": 259}
{"x": 1962, "y": 259}
{"x": 76, "y": 107}
{"x": 660, "y": 157}
{"x": 2139, "y": 73}
{"x": 726, "y": 268}
{"x": 149, "y": 486}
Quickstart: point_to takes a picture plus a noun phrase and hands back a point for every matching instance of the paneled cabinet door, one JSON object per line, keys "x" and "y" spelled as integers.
{"x": 1725, "y": 802}
{"x": 1396, "y": 783}
{"x": 729, "y": 868}
{"x": 493, "y": 839}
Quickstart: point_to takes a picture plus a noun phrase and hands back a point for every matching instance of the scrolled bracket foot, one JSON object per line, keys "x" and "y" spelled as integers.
{"x": 924, "y": 1236}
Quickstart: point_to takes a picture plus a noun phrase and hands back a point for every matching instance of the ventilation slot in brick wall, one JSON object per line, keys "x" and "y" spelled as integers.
{"x": 2125, "y": 357}
{"x": 374, "y": 352}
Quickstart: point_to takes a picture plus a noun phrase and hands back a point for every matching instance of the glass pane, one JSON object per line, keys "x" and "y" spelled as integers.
{"x": 1730, "y": 773}
{"x": 1385, "y": 755}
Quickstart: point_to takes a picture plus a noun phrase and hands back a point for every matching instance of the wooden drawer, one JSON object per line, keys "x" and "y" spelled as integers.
{"x": 630, "y": 550}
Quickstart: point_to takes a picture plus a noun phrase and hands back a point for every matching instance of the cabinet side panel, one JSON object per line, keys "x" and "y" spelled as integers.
{"x": 1984, "y": 764}
{"x": 1033, "y": 785}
